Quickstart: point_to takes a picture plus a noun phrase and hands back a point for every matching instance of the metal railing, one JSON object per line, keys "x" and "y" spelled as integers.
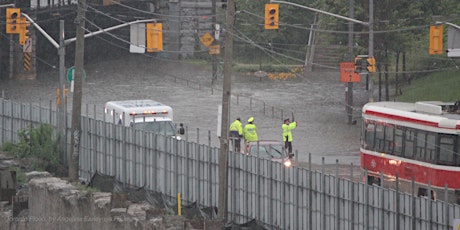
{"x": 279, "y": 197}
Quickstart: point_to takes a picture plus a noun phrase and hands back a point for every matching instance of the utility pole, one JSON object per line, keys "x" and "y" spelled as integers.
{"x": 213, "y": 56}
{"x": 77, "y": 95}
{"x": 371, "y": 48}
{"x": 62, "y": 125}
{"x": 226, "y": 96}
{"x": 350, "y": 50}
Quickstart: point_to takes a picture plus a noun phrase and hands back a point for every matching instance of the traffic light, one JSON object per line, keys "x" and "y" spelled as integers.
{"x": 24, "y": 32}
{"x": 58, "y": 95}
{"x": 224, "y": 4}
{"x": 271, "y": 16}
{"x": 154, "y": 37}
{"x": 371, "y": 65}
{"x": 12, "y": 20}
{"x": 436, "y": 39}
{"x": 359, "y": 62}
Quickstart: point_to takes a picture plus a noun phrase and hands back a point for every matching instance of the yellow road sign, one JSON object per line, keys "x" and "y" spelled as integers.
{"x": 206, "y": 39}
{"x": 215, "y": 49}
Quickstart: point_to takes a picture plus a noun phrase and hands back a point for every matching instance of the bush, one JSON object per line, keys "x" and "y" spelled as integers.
{"x": 41, "y": 144}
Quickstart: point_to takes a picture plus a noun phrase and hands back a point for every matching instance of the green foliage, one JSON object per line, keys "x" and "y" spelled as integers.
{"x": 40, "y": 143}
{"x": 20, "y": 175}
{"x": 400, "y": 27}
{"x": 442, "y": 86}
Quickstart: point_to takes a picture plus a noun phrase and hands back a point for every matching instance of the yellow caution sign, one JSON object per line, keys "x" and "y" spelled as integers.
{"x": 215, "y": 49}
{"x": 207, "y": 39}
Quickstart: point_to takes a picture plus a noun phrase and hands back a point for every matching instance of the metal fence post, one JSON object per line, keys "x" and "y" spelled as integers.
{"x": 123, "y": 154}
{"x": 323, "y": 191}
{"x": 337, "y": 218}
{"x": 398, "y": 213}
{"x": 310, "y": 193}
{"x": 446, "y": 218}
{"x": 296, "y": 199}
{"x": 413, "y": 203}
{"x": 352, "y": 192}
{"x": 144, "y": 160}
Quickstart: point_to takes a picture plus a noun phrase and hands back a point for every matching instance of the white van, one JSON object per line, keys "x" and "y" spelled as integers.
{"x": 146, "y": 115}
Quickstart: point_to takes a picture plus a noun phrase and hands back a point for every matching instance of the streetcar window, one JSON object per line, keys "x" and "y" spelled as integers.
{"x": 420, "y": 146}
{"x": 457, "y": 150}
{"x": 409, "y": 143}
{"x": 379, "y": 137}
{"x": 431, "y": 147}
{"x": 369, "y": 136}
{"x": 398, "y": 141}
{"x": 446, "y": 150}
{"x": 389, "y": 139}
{"x": 423, "y": 192}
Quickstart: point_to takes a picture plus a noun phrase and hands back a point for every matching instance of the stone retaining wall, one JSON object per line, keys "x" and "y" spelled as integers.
{"x": 55, "y": 203}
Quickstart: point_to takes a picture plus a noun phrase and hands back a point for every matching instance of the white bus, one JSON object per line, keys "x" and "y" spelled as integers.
{"x": 146, "y": 115}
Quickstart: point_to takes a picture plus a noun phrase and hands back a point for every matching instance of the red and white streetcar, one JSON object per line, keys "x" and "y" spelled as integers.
{"x": 413, "y": 141}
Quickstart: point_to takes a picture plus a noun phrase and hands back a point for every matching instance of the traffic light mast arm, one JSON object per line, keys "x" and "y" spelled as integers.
{"x": 68, "y": 41}
{"x": 90, "y": 34}
{"x": 323, "y": 12}
{"x": 7, "y": 5}
{"x": 47, "y": 36}
{"x": 448, "y": 23}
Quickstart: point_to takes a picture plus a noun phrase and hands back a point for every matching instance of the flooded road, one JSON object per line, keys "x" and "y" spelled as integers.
{"x": 317, "y": 101}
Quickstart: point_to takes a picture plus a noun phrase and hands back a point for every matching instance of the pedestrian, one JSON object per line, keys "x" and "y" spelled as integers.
{"x": 181, "y": 130}
{"x": 250, "y": 131}
{"x": 236, "y": 132}
{"x": 287, "y": 133}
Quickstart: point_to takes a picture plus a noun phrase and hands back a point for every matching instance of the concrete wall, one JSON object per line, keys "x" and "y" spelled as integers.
{"x": 57, "y": 204}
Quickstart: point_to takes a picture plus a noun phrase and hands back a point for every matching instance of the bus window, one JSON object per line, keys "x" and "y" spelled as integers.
{"x": 409, "y": 143}
{"x": 446, "y": 149}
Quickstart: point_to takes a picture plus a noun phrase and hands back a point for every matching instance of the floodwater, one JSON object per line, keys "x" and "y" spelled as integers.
{"x": 317, "y": 101}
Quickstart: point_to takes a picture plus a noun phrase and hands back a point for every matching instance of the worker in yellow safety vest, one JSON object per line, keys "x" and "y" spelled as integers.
{"x": 287, "y": 133}
{"x": 236, "y": 132}
{"x": 250, "y": 131}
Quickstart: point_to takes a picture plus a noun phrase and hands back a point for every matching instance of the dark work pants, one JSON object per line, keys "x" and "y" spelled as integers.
{"x": 236, "y": 141}
{"x": 288, "y": 146}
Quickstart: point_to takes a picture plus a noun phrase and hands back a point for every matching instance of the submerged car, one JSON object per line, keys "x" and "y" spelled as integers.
{"x": 273, "y": 150}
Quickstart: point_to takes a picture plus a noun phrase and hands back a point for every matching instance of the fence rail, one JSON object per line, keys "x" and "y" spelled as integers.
{"x": 279, "y": 197}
